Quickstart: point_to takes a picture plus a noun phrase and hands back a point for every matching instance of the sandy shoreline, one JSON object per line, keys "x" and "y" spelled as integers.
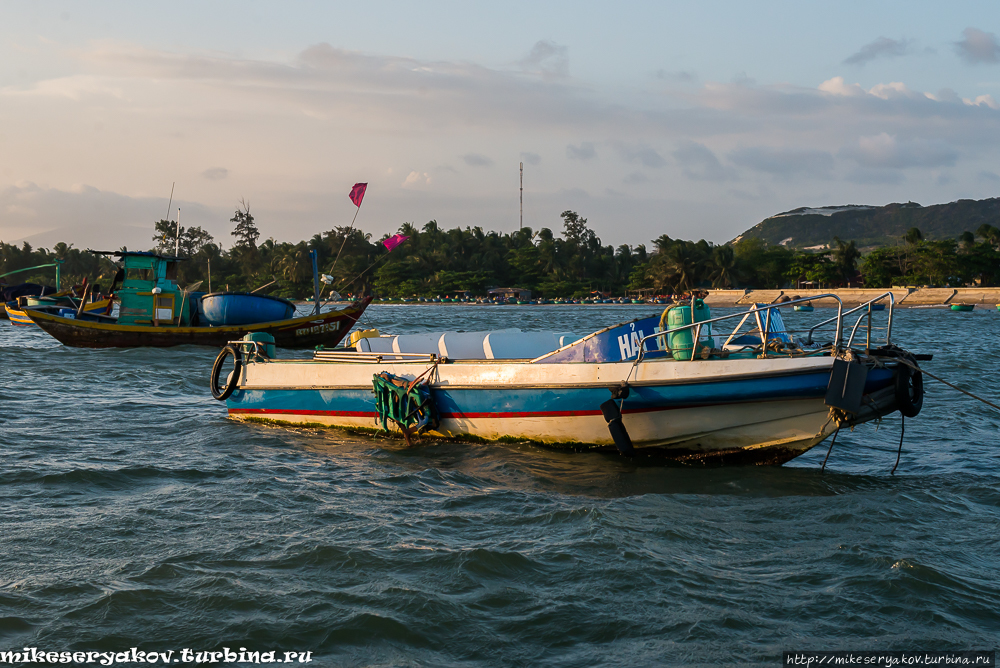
{"x": 904, "y": 297}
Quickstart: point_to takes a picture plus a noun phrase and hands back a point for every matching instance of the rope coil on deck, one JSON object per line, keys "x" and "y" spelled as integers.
{"x": 408, "y": 404}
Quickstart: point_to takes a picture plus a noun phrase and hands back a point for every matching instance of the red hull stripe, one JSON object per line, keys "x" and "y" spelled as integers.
{"x": 499, "y": 414}
{"x": 292, "y": 411}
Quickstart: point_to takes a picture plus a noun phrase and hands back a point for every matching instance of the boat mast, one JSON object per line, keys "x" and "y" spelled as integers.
{"x": 521, "y": 224}
{"x": 177, "y": 237}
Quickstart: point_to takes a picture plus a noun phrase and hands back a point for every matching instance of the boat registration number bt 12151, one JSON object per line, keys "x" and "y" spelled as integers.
{"x": 318, "y": 329}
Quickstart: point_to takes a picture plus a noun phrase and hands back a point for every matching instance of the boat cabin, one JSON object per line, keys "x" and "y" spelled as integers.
{"x": 149, "y": 294}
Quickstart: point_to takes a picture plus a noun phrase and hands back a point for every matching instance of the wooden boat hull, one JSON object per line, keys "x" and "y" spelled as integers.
{"x": 735, "y": 412}
{"x": 309, "y": 331}
{"x": 20, "y": 317}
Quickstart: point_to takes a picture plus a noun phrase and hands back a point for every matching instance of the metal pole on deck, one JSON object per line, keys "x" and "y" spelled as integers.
{"x": 312, "y": 254}
{"x": 521, "y": 224}
{"x": 177, "y": 237}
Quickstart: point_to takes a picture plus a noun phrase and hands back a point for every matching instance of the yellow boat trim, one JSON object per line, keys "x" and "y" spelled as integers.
{"x": 236, "y": 329}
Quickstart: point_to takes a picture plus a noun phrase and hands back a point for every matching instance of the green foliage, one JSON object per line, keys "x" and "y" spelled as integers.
{"x": 913, "y": 236}
{"x": 938, "y": 262}
{"x": 435, "y": 261}
{"x": 815, "y": 268}
{"x": 76, "y": 266}
{"x": 192, "y": 240}
{"x": 763, "y": 266}
{"x": 246, "y": 232}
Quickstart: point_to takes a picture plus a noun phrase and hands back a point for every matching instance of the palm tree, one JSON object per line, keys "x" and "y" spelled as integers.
{"x": 913, "y": 236}
{"x": 681, "y": 267}
{"x": 723, "y": 267}
{"x": 989, "y": 234}
{"x": 846, "y": 258}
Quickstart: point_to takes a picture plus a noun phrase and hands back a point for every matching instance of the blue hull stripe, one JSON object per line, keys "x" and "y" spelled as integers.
{"x": 504, "y": 401}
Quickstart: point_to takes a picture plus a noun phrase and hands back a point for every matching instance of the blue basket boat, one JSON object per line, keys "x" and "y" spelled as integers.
{"x": 242, "y": 308}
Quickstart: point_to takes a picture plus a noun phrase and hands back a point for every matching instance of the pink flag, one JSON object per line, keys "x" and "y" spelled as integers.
{"x": 394, "y": 241}
{"x": 358, "y": 193}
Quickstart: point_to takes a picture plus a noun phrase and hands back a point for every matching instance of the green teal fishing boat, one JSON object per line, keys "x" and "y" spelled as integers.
{"x": 155, "y": 311}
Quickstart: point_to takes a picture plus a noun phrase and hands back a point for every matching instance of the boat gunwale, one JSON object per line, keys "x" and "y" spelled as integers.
{"x": 508, "y": 385}
{"x": 224, "y": 329}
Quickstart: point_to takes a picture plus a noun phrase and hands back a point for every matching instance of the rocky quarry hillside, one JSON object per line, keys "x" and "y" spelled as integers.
{"x": 872, "y": 226}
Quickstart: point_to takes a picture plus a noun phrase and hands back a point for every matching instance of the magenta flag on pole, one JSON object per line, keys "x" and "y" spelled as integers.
{"x": 394, "y": 241}
{"x": 358, "y": 193}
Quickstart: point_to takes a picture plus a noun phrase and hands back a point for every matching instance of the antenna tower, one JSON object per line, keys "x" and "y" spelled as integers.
{"x": 521, "y": 224}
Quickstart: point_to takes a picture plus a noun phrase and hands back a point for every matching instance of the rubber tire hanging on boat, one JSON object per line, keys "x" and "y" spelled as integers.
{"x": 234, "y": 376}
{"x": 909, "y": 390}
{"x": 613, "y": 416}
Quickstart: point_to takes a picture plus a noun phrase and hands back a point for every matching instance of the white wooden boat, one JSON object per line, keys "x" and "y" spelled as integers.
{"x": 740, "y": 399}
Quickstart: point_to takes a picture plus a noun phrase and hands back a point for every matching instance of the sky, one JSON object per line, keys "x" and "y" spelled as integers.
{"x": 695, "y": 120}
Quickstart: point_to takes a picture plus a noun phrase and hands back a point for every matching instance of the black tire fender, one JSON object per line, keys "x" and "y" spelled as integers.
{"x": 909, "y": 390}
{"x": 222, "y": 393}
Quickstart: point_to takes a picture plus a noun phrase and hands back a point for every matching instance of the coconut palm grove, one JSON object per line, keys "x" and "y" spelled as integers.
{"x": 573, "y": 264}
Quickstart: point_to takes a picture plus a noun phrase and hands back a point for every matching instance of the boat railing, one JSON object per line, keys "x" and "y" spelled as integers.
{"x": 866, "y": 310}
{"x": 372, "y": 358}
{"x": 767, "y": 308}
{"x": 258, "y": 347}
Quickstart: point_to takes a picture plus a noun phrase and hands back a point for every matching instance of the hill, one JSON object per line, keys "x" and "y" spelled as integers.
{"x": 872, "y": 226}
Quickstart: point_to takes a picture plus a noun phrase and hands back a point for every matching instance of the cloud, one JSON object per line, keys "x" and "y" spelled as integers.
{"x": 894, "y": 89}
{"x": 546, "y": 59}
{"x": 386, "y": 110}
{"x": 982, "y": 101}
{"x": 476, "y": 160}
{"x": 337, "y": 85}
{"x": 886, "y": 151}
{"x": 215, "y": 173}
{"x": 883, "y": 47}
{"x": 784, "y": 162}
{"x": 75, "y": 88}
{"x": 641, "y": 154}
{"x": 700, "y": 164}
{"x": 742, "y": 194}
{"x": 946, "y": 95}
{"x": 989, "y": 177}
{"x": 415, "y": 179}
{"x": 585, "y": 151}
{"x": 531, "y": 158}
{"x": 883, "y": 91}
{"x": 683, "y": 76}
{"x": 977, "y": 46}
{"x": 837, "y": 86}
{"x": 635, "y": 178}
{"x": 98, "y": 218}
{"x": 875, "y": 177}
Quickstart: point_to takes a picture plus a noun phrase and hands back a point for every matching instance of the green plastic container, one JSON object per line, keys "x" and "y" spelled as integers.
{"x": 680, "y": 342}
{"x": 266, "y": 339}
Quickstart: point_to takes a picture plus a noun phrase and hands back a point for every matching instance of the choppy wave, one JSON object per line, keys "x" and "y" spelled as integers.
{"x": 133, "y": 513}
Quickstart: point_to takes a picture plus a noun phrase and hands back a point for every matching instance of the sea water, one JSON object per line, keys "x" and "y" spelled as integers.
{"x": 133, "y": 513}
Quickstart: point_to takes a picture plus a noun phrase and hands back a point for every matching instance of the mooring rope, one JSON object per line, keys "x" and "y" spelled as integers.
{"x": 823, "y": 468}
{"x": 902, "y": 430}
{"x": 942, "y": 380}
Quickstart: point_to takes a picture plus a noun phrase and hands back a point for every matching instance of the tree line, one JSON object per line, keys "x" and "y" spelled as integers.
{"x": 576, "y": 263}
